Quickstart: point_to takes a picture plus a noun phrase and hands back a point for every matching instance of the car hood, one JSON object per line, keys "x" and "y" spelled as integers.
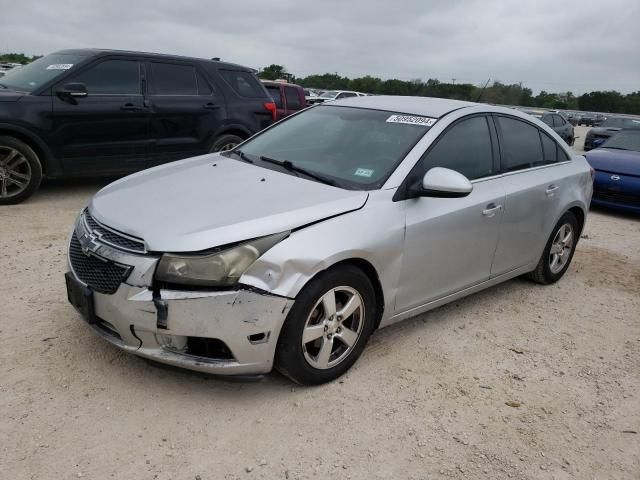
{"x": 604, "y": 131}
{"x": 209, "y": 201}
{"x": 9, "y": 95}
{"x": 624, "y": 162}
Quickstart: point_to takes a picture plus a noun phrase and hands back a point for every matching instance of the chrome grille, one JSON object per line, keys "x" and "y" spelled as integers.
{"x": 111, "y": 237}
{"x": 103, "y": 276}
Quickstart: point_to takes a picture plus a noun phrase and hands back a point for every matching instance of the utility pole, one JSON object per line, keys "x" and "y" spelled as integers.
{"x": 453, "y": 80}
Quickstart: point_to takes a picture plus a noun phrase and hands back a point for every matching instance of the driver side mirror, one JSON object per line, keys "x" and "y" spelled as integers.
{"x": 73, "y": 89}
{"x": 442, "y": 182}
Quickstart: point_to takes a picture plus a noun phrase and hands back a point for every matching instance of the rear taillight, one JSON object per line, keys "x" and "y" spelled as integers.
{"x": 271, "y": 106}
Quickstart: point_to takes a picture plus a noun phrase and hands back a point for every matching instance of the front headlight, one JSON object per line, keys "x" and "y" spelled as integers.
{"x": 218, "y": 269}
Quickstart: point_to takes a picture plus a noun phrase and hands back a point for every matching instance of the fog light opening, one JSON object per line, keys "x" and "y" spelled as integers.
{"x": 258, "y": 338}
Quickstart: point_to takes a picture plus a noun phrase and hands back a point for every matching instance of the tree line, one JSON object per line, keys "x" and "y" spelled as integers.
{"x": 17, "y": 58}
{"x": 493, "y": 92}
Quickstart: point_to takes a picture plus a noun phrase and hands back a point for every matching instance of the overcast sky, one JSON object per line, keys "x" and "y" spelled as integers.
{"x": 547, "y": 44}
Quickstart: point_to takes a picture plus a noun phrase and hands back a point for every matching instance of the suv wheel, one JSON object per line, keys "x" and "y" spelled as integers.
{"x": 225, "y": 142}
{"x": 328, "y": 326}
{"x": 20, "y": 171}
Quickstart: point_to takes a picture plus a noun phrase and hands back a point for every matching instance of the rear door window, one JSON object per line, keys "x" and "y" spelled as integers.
{"x": 173, "y": 79}
{"x": 549, "y": 148}
{"x": 111, "y": 77}
{"x": 465, "y": 148}
{"x": 293, "y": 99}
{"x": 521, "y": 146}
{"x": 274, "y": 91}
{"x": 243, "y": 83}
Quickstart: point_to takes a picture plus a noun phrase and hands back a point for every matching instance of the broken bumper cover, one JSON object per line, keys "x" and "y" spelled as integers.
{"x": 164, "y": 329}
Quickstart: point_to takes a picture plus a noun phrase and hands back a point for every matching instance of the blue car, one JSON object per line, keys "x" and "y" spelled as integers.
{"x": 617, "y": 177}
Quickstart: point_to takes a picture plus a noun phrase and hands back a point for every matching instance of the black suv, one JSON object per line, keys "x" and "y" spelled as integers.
{"x": 101, "y": 112}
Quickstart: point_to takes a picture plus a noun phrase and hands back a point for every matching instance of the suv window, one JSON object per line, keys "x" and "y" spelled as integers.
{"x": 558, "y": 121}
{"x": 465, "y": 147}
{"x": 111, "y": 77}
{"x": 521, "y": 147}
{"x": 274, "y": 91}
{"x": 203, "y": 86}
{"x": 293, "y": 100}
{"x": 172, "y": 79}
{"x": 548, "y": 119}
{"x": 243, "y": 83}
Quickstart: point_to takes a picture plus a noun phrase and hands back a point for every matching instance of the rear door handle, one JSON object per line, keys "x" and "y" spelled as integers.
{"x": 130, "y": 106}
{"x": 210, "y": 106}
{"x": 550, "y": 191}
{"x": 491, "y": 210}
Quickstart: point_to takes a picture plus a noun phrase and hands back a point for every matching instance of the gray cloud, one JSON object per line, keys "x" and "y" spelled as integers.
{"x": 548, "y": 45}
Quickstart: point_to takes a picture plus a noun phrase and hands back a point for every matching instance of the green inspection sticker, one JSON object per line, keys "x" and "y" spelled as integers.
{"x": 363, "y": 172}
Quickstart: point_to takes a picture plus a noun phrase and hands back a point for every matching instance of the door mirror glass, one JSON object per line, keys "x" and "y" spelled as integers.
{"x": 73, "y": 89}
{"x": 445, "y": 183}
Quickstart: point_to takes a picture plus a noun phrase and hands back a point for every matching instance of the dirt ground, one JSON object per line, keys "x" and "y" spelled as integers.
{"x": 428, "y": 398}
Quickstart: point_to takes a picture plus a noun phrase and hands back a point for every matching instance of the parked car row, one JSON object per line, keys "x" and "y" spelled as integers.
{"x": 93, "y": 112}
{"x": 557, "y": 122}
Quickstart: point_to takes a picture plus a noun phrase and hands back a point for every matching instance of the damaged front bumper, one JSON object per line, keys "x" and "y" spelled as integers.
{"x": 227, "y": 332}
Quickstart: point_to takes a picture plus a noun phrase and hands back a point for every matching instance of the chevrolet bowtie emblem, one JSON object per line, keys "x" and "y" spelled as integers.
{"x": 89, "y": 243}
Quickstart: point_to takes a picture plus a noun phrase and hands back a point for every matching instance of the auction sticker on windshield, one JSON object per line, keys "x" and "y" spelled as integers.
{"x": 60, "y": 66}
{"x": 411, "y": 120}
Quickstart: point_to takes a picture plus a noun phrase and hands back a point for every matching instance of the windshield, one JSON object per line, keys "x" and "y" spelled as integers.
{"x": 624, "y": 140}
{"x": 39, "y": 72}
{"x": 330, "y": 94}
{"x": 356, "y": 148}
{"x": 621, "y": 123}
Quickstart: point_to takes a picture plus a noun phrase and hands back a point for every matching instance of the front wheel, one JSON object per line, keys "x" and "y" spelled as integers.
{"x": 558, "y": 252}
{"x": 328, "y": 326}
{"x": 20, "y": 171}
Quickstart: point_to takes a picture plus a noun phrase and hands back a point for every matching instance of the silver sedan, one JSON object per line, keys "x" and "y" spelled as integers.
{"x": 293, "y": 248}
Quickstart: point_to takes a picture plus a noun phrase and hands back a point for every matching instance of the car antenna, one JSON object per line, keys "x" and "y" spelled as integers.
{"x": 482, "y": 91}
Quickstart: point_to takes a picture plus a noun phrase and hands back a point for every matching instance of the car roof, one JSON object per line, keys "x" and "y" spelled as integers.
{"x": 424, "y": 106}
{"x": 159, "y": 56}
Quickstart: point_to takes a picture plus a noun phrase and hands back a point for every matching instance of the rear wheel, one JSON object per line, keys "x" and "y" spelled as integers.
{"x": 328, "y": 326}
{"x": 225, "y": 142}
{"x": 20, "y": 171}
{"x": 558, "y": 252}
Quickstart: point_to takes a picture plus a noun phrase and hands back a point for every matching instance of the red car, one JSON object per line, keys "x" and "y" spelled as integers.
{"x": 288, "y": 97}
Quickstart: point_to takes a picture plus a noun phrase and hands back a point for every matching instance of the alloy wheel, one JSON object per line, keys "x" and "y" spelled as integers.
{"x": 15, "y": 172}
{"x": 561, "y": 247}
{"x": 333, "y": 327}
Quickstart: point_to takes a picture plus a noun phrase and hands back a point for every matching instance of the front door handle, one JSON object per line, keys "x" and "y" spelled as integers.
{"x": 130, "y": 107}
{"x": 491, "y": 210}
{"x": 551, "y": 189}
{"x": 210, "y": 106}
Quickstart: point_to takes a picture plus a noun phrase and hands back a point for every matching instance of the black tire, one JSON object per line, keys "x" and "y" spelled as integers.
{"x": 225, "y": 142}
{"x": 26, "y": 169}
{"x": 544, "y": 273}
{"x": 292, "y": 358}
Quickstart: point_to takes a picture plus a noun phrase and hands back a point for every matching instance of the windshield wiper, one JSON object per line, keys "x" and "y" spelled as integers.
{"x": 242, "y": 155}
{"x": 293, "y": 168}
{"x": 3, "y": 86}
{"x": 614, "y": 148}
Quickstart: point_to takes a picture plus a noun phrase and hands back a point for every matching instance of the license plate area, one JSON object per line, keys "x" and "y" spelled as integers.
{"x": 81, "y": 298}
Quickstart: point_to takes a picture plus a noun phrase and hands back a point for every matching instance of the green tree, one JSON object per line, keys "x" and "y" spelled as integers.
{"x": 273, "y": 72}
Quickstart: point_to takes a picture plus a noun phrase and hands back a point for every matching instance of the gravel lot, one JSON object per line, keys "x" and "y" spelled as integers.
{"x": 428, "y": 399}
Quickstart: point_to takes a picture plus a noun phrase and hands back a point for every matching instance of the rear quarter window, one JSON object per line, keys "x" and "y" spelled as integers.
{"x": 243, "y": 83}
{"x": 293, "y": 99}
{"x": 274, "y": 91}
